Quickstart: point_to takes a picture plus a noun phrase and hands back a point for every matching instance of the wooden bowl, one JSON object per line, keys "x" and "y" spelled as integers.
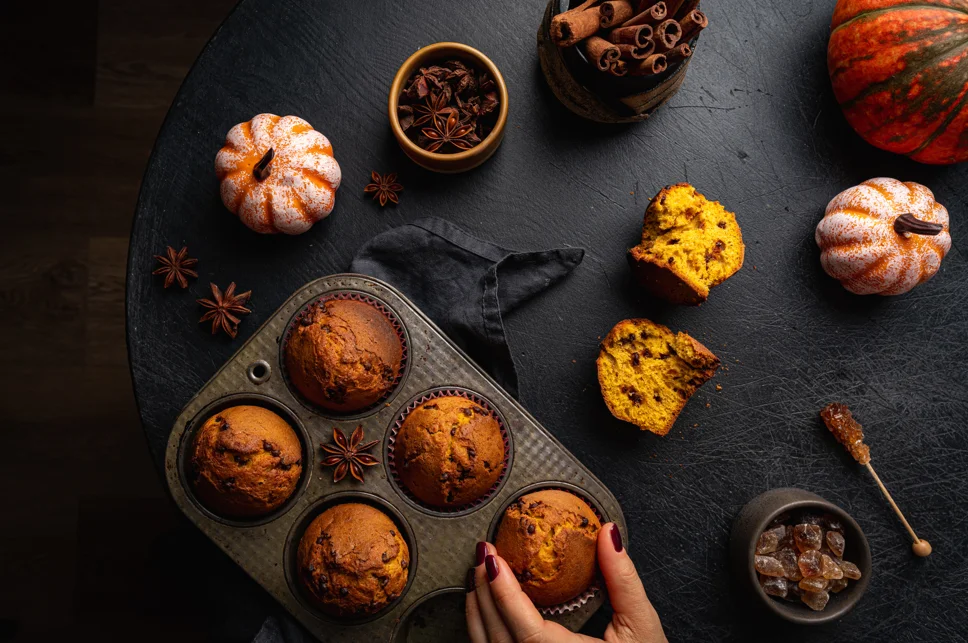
{"x": 598, "y": 96}
{"x": 753, "y": 520}
{"x": 461, "y": 161}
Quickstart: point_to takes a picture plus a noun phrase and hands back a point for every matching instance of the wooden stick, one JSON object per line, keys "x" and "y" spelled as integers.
{"x": 921, "y": 547}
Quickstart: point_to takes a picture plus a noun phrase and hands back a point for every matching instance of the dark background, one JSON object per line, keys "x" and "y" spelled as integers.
{"x": 754, "y": 126}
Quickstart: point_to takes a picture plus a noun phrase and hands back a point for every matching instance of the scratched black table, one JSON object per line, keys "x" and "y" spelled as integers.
{"x": 755, "y": 126}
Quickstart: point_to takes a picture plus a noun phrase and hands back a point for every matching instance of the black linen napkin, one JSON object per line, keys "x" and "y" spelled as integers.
{"x": 466, "y": 286}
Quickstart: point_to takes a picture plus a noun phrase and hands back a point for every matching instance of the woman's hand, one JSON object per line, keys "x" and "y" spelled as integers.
{"x": 498, "y": 611}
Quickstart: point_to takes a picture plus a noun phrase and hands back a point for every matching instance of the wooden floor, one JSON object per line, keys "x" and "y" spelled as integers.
{"x": 88, "y": 540}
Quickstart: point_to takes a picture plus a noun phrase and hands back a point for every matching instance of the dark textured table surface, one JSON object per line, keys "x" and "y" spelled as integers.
{"x": 754, "y": 126}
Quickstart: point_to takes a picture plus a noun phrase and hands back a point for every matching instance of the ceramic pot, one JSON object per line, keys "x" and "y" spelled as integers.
{"x": 461, "y": 161}
{"x": 753, "y": 520}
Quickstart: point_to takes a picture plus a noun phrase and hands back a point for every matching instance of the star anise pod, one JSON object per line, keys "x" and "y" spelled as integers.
{"x": 436, "y": 109}
{"x": 384, "y": 188}
{"x": 348, "y": 456}
{"x": 453, "y": 133}
{"x": 176, "y": 266}
{"x": 223, "y": 308}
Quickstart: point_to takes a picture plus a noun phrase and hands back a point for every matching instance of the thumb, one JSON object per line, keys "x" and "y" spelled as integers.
{"x": 635, "y": 620}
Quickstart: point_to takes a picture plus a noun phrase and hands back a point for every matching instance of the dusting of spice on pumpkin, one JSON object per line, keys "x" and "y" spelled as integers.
{"x": 278, "y": 174}
{"x": 883, "y": 237}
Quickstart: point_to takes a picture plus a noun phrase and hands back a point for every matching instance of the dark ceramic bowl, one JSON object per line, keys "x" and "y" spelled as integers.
{"x": 754, "y": 518}
{"x": 598, "y": 96}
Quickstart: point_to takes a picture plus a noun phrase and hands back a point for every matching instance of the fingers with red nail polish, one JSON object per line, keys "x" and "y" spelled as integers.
{"x": 490, "y": 564}
{"x": 481, "y": 552}
{"x": 635, "y": 618}
{"x": 498, "y": 610}
{"x": 616, "y": 538}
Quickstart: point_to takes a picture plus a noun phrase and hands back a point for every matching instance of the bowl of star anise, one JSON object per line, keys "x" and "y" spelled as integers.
{"x": 448, "y": 107}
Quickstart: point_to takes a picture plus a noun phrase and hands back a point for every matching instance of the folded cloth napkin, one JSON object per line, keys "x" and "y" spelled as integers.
{"x": 466, "y": 286}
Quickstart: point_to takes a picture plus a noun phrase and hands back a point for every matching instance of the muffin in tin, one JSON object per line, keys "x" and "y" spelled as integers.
{"x": 352, "y": 560}
{"x": 449, "y": 451}
{"x": 343, "y": 355}
{"x": 246, "y": 462}
{"x": 549, "y": 539}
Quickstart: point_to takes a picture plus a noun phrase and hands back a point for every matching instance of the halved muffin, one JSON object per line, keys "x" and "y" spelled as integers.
{"x": 689, "y": 244}
{"x": 647, "y": 373}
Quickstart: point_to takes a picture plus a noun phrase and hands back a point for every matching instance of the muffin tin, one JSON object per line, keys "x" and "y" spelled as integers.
{"x": 441, "y": 543}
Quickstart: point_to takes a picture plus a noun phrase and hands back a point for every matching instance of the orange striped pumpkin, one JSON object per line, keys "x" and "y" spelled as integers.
{"x": 900, "y": 73}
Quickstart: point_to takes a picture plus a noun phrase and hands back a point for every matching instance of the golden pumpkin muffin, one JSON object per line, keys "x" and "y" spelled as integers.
{"x": 449, "y": 451}
{"x": 343, "y": 355}
{"x": 689, "y": 244}
{"x": 246, "y": 462}
{"x": 548, "y": 539}
{"x": 352, "y": 560}
{"x": 647, "y": 373}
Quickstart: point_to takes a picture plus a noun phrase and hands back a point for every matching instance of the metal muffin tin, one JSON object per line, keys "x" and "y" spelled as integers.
{"x": 441, "y": 544}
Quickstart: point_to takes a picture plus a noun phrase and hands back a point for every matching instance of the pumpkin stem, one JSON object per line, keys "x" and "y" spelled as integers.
{"x": 909, "y": 223}
{"x": 261, "y": 170}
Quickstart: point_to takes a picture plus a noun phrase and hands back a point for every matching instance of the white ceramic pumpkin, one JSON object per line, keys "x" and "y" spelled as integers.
{"x": 278, "y": 174}
{"x": 883, "y": 237}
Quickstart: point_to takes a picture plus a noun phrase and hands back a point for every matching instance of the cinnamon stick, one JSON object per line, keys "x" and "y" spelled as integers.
{"x": 650, "y": 16}
{"x": 694, "y": 22}
{"x": 614, "y": 12}
{"x": 638, "y": 35}
{"x": 601, "y": 52}
{"x": 678, "y": 53}
{"x": 576, "y": 24}
{"x": 654, "y": 64}
{"x": 631, "y": 52}
{"x": 687, "y": 7}
{"x": 618, "y": 68}
{"x": 667, "y": 36}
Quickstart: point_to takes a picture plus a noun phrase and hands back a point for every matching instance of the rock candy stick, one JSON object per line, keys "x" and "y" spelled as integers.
{"x": 848, "y": 431}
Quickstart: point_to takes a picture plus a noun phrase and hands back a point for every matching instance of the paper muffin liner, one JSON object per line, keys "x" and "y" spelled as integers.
{"x": 595, "y": 588}
{"x": 398, "y": 423}
{"x": 390, "y": 316}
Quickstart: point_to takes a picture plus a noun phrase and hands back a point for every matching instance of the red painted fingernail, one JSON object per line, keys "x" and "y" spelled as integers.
{"x": 481, "y": 553}
{"x": 616, "y": 538}
{"x": 490, "y": 564}
{"x": 470, "y": 582}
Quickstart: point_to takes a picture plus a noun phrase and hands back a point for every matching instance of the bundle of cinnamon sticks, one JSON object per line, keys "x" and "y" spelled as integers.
{"x": 631, "y": 37}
